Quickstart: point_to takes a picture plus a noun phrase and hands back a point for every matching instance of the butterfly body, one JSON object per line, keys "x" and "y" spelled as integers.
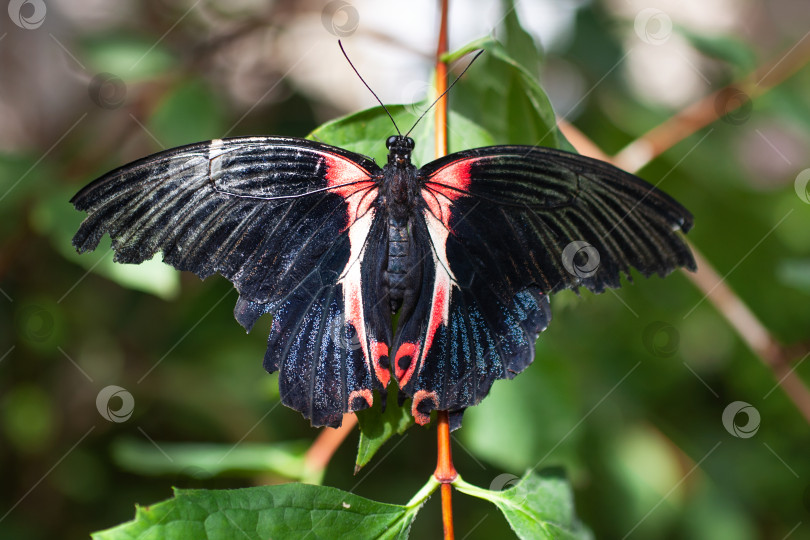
{"x": 400, "y": 197}
{"x": 466, "y": 249}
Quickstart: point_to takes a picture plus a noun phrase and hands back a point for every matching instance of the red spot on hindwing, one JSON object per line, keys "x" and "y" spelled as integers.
{"x": 423, "y": 403}
{"x": 354, "y": 403}
{"x": 379, "y": 355}
{"x": 405, "y": 362}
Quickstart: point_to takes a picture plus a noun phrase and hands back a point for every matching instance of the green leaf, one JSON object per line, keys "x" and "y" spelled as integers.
{"x": 206, "y": 460}
{"x": 376, "y": 427}
{"x": 55, "y": 218}
{"x": 22, "y": 178}
{"x": 795, "y": 273}
{"x": 130, "y": 58}
{"x": 517, "y": 42}
{"x": 366, "y": 132}
{"x": 284, "y": 511}
{"x": 27, "y": 415}
{"x": 786, "y": 103}
{"x": 506, "y": 99}
{"x": 535, "y": 507}
{"x": 189, "y": 114}
{"x": 548, "y": 385}
{"x": 730, "y": 49}
{"x": 503, "y": 96}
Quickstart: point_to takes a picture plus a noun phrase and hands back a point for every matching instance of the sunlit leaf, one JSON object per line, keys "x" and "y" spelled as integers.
{"x": 130, "y": 59}
{"x": 55, "y": 218}
{"x": 517, "y": 42}
{"x": 535, "y": 507}
{"x": 286, "y": 511}
{"x": 517, "y": 109}
{"x": 366, "y": 132}
{"x": 205, "y": 460}
{"x": 189, "y": 114}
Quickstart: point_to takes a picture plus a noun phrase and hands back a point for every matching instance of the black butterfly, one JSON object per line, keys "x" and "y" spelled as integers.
{"x": 466, "y": 249}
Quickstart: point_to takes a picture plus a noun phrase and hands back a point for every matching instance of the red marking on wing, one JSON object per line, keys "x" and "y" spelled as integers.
{"x": 365, "y": 394}
{"x": 441, "y": 299}
{"x": 406, "y": 349}
{"x": 378, "y": 351}
{"x": 359, "y": 190}
{"x": 351, "y": 182}
{"x": 441, "y": 189}
{"x": 446, "y": 185}
{"x": 420, "y": 396}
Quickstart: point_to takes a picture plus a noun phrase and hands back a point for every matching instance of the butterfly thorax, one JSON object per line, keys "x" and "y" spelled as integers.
{"x": 401, "y": 194}
{"x": 399, "y": 178}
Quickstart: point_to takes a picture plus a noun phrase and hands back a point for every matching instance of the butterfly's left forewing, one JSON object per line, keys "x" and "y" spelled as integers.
{"x": 287, "y": 221}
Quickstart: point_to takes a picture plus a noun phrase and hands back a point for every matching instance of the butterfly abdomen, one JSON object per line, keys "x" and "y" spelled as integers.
{"x": 399, "y": 275}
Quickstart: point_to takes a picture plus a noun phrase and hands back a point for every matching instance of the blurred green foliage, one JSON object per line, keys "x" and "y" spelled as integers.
{"x": 633, "y": 418}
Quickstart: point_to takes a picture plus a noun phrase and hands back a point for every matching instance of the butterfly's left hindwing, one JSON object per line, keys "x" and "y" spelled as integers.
{"x": 461, "y": 337}
{"x": 287, "y": 221}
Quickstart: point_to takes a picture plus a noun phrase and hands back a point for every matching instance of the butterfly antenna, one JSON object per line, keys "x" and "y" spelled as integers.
{"x": 369, "y": 88}
{"x": 443, "y": 93}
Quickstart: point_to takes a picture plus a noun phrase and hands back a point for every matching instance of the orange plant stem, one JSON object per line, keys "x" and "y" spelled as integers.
{"x": 445, "y": 472}
{"x": 441, "y": 85}
{"x": 447, "y": 511}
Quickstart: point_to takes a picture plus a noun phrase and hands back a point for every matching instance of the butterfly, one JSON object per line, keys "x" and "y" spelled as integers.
{"x": 465, "y": 250}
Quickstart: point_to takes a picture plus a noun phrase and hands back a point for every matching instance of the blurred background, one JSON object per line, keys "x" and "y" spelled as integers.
{"x": 667, "y": 424}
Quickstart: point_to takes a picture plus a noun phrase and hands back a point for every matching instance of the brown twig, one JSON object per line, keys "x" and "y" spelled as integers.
{"x": 581, "y": 142}
{"x": 770, "y": 351}
{"x": 326, "y": 444}
{"x": 774, "y": 354}
{"x": 712, "y": 107}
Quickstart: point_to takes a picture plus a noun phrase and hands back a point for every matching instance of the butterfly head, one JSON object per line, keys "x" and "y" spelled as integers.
{"x": 399, "y": 149}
